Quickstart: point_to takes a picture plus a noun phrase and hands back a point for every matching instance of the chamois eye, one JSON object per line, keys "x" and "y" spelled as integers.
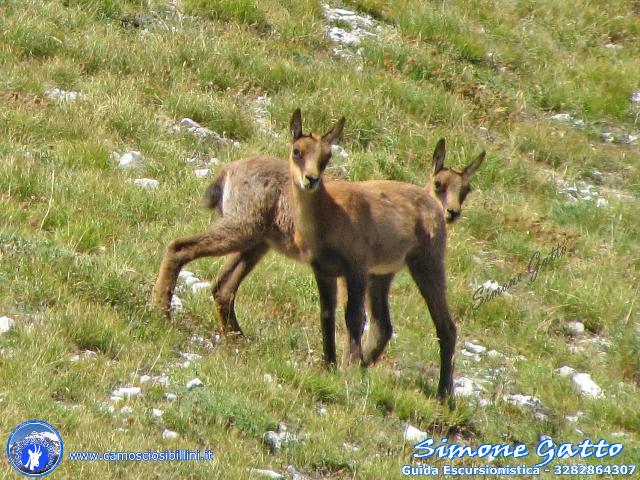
{"x": 297, "y": 153}
{"x": 437, "y": 184}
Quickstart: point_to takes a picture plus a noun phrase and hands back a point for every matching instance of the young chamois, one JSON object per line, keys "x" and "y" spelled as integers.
{"x": 366, "y": 232}
{"x": 252, "y": 198}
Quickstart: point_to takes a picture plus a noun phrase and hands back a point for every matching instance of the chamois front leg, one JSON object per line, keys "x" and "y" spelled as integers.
{"x": 354, "y": 317}
{"x": 327, "y": 289}
{"x": 222, "y": 238}
{"x": 230, "y": 276}
{"x": 380, "y": 330}
{"x": 430, "y": 277}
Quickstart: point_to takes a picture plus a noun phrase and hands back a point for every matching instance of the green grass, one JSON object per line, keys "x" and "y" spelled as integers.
{"x": 80, "y": 245}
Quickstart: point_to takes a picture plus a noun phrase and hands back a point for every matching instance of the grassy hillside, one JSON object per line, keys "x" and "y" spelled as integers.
{"x": 80, "y": 243}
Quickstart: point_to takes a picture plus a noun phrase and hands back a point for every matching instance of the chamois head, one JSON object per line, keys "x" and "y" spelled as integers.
{"x": 311, "y": 153}
{"x": 451, "y": 186}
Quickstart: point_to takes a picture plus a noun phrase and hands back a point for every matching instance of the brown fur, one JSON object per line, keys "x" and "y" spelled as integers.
{"x": 252, "y": 197}
{"x": 375, "y": 228}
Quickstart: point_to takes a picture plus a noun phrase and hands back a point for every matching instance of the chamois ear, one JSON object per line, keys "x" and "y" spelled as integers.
{"x": 296, "y": 124}
{"x": 471, "y": 169}
{"x": 334, "y": 134}
{"x": 438, "y": 156}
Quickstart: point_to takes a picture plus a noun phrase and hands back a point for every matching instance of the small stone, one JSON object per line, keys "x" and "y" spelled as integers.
{"x": 59, "y": 95}
{"x": 169, "y": 434}
{"x": 635, "y": 97}
{"x": 267, "y": 378}
{"x": 474, "y": 348}
{"x": 195, "y": 383}
{"x": 266, "y": 473}
{"x": 322, "y": 410}
{"x": 192, "y": 357}
{"x": 587, "y": 386}
{"x": 202, "y": 172}
{"x": 467, "y": 387}
{"x": 170, "y": 397}
{"x": 196, "y": 287}
{"x": 494, "y": 354}
{"x": 561, "y": 117}
{"x": 126, "y": 392}
{"x": 126, "y": 410}
{"x": 188, "y": 123}
{"x": 295, "y": 474}
{"x": 130, "y": 159}
{"x": 148, "y": 183}
{"x": 574, "y": 327}
{"x": 176, "y": 303}
{"x": 607, "y": 137}
{"x": 628, "y": 138}
{"x": 338, "y": 151}
{"x": 6, "y": 324}
{"x": 413, "y": 434}
{"x": 601, "y": 202}
{"x": 279, "y": 439}
{"x": 565, "y": 371}
{"x": 157, "y": 413}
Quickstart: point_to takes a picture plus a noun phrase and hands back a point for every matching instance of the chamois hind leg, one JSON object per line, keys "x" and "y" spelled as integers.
{"x": 430, "y": 277}
{"x": 380, "y": 329}
{"x": 354, "y": 317}
{"x": 230, "y": 276}
{"x": 327, "y": 290}
{"x": 224, "y": 237}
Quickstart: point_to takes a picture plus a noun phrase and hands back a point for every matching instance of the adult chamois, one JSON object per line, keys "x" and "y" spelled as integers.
{"x": 366, "y": 232}
{"x": 253, "y": 200}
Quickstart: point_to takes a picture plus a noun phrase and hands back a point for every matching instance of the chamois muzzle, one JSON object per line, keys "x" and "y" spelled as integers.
{"x": 452, "y": 215}
{"x": 310, "y": 182}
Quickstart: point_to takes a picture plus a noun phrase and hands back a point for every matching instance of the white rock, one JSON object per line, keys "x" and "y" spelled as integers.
{"x": 188, "y": 123}
{"x": 116, "y": 398}
{"x": 607, "y": 137}
{"x": 157, "y": 413}
{"x": 126, "y": 410}
{"x": 195, "y": 383}
{"x": 467, "y": 387}
{"x": 561, "y": 117}
{"x": 628, "y": 138}
{"x": 338, "y": 151}
{"x": 565, "y": 371}
{"x": 413, "y": 434}
{"x": 6, "y": 324}
{"x": 587, "y": 386}
{"x": 575, "y": 328}
{"x": 148, "y": 183}
{"x": 601, "y": 202}
{"x": 202, "y": 172}
{"x": 474, "y": 348}
{"x": 176, "y": 303}
{"x": 522, "y": 400}
{"x": 192, "y": 357}
{"x": 184, "y": 274}
{"x": 267, "y": 378}
{"x": 258, "y": 472}
{"x": 126, "y": 392}
{"x": 170, "y": 397}
{"x": 495, "y": 354}
{"x": 130, "y": 159}
{"x": 571, "y": 418}
{"x": 612, "y": 46}
{"x": 473, "y": 356}
{"x": 59, "y": 95}
{"x": 169, "y": 434}
{"x": 196, "y": 287}
{"x": 635, "y": 97}
{"x": 159, "y": 379}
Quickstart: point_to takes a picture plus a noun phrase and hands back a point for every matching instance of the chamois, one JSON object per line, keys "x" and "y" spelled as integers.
{"x": 366, "y": 232}
{"x": 252, "y": 198}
